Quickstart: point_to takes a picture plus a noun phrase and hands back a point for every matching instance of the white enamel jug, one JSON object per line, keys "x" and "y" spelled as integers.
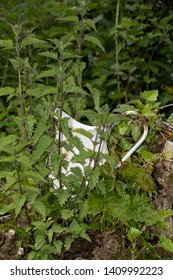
{"x": 89, "y": 144}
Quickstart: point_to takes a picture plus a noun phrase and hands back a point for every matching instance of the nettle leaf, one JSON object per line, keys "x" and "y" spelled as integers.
{"x": 84, "y": 132}
{"x": 39, "y": 241}
{"x": 148, "y": 156}
{"x": 6, "y": 43}
{"x": 58, "y": 246}
{"x": 44, "y": 142}
{"x": 94, "y": 204}
{"x": 150, "y": 95}
{"x": 69, "y": 86}
{"x": 7, "y": 140}
{"x": 96, "y": 95}
{"x": 36, "y": 176}
{"x": 94, "y": 177}
{"x": 50, "y": 235}
{"x": 49, "y": 54}
{"x": 7, "y": 208}
{"x": 133, "y": 233}
{"x": 7, "y": 91}
{"x": 46, "y": 74}
{"x": 66, "y": 214}
{"x": 46, "y": 91}
{"x": 94, "y": 41}
{"x": 63, "y": 196}
{"x": 74, "y": 227}
{"x": 39, "y": 207}
{"x": 20, "y": 200}
{"x": 39, "y": 131}
{"x": 136, "y": 131}
{"x": 57, "y": 229}
{"x": 31, "y": 40}
{"x": 68, "y": 242}
{"x": 69, "y": 19}
{"x": 30, "y": 123}
{"x": 165, "y": 243}
{"x": 91, "y": 23}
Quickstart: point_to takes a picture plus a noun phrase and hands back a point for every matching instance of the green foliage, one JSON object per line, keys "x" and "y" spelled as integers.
{"x": 99, "y": 53}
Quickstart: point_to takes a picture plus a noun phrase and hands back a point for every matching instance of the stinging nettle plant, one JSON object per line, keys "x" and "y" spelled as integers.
{"x": 49, "y": 75}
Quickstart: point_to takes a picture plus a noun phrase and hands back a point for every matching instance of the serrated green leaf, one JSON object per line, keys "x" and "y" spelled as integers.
{"x": 66, "y": 214}
{"x": 20, "y": 200}
{"x": 58, "y": 246}
{"x": 91, "y": 23}
{"x": 94, "y": 41}
{"x": 57, "y": 229}
{"x": 44, "y": 142}
{"x": 50, "y": 235}
{"x": 82, "y": 131}
{"x": 8, "y": 159}
{"x": 46, "y": 74}
{"x": 96, "y": 95}
{"x": 39, "y": 241}
{"x": 150, "y": 95}
{"x": 74, "y": 228}
{"x": 49, "y": 54}
{"x": 30, "y": 40}
{"x": 7, "y": 91}
{"x": 165, "y": 243}
{"x": 7, "y": 208}
{"x": 6, "y": 43}
{"x": 39, "y": 207}
{"x": 39, "y": 131}
{"x": 68, "y": 242}
{"x": 63, "y": 195}
{"x": 69, "y": 19}
{"x": 136, "y": 131}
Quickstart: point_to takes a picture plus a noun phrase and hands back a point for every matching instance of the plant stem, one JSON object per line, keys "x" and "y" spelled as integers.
{"x": 22, "y": 110}
{"x": 116, "y": 40}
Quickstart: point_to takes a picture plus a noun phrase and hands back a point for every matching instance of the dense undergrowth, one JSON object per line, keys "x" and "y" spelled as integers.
{"x": 94, "y": 60}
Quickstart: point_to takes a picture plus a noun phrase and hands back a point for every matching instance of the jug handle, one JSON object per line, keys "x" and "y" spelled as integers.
{"x": 140, "y": 141}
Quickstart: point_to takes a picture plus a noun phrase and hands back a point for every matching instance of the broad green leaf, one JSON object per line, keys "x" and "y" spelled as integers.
{"x": 7, "y": 208}
{"x": 133, "y": 233}
{"x": 150, "y": 95}
{"x": 57, "y": 229}
{"x": 68, "y": 242}
{"x": 165, "y": 243}
{"x": 6, "y": 43}
{"x": 74, "y": 227}
{"x": 95, "y": 204}
{"x": 69, "y": 19}
{"x": 136, "y": 131}
{"x": 66, "y": 214}
{"x": 46, "y": 74}
{"x": 39, "y": 241}
{"x": 49, "y": 54}
{"x": 7, "y": 91}
{"x": 94, "y": 41}
{"x": 148, "y": 156}
{"x": 82, "y": 131}
{"x": 19, "y": 199}
{"x": 91, "y": 23}
{"x": 39, "y": 131}
{"x": 30, "y": 40}
{"x": 63, "y": 196}
{"x": 50, "y": 235}
{"x": 96, "y": 95}
{"x": 44, "y": 142}
{"x": 58, "y": 246}
{"x": 39, "y": 207}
